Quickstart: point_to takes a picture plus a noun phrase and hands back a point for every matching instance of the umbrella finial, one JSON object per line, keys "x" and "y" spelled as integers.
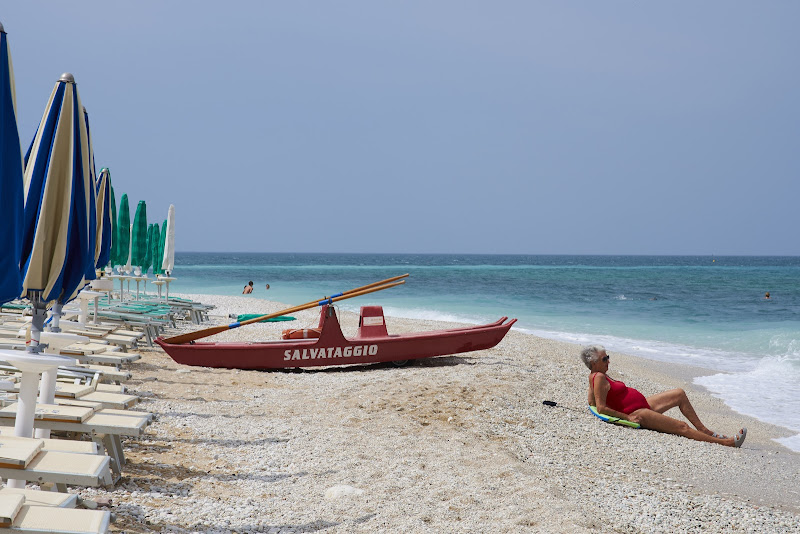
{"x": 1, "y": 28}
{"x": 67, "y": 77}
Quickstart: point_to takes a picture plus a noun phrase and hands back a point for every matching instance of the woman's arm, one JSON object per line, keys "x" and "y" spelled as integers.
{"x": 601, "y": 389}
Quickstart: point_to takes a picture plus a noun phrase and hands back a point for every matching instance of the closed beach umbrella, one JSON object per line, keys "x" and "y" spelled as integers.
{"x": 114, "y": 245}
{"x": 139, "y": 235}
{"x": 161, "y": 241}
{"x": 11, "y": 200}
{"x": 57, "y": 256}
{"x": 123, "y": 231}
{"x": 155, "y": 241}
{"x": 169, "y": 243}
{"x": 90, "y": 268}
{"x": 55, "y": 247}
{"x": 128, "y": 265}
{"x": 102, "y": 251}
{"x": 148, "y": 258}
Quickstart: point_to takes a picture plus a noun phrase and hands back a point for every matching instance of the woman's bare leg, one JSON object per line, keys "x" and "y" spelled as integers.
{"x": 661, "y": 402}
{"x": 663, "y": 423}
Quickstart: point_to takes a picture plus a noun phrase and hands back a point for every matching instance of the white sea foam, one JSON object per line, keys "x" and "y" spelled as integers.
{"x": 768, "y": 392}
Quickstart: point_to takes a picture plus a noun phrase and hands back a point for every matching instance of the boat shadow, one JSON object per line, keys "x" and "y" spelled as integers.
{"x": 441, "y": 361}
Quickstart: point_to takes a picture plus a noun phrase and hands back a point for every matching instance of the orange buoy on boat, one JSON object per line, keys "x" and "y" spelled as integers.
{"x": 301, "y": 333}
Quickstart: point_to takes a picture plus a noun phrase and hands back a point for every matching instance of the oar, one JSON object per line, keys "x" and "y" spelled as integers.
{"x": 191, "y": 336}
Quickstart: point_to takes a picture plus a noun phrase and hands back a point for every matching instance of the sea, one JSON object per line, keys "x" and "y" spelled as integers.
{"x": 708, "y": 311}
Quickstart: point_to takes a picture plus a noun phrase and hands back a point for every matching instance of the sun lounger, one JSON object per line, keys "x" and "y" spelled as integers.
{"x": 97, "y": 406}
{"x": 32, "y": 519}
{"x": 10, "y": 505}
{"x": 106, "y": 429}
{"x": 89, "y": 393}
{"x": 59, "y": 445}
{"x": 111, "y": 388}
{"x": 17, "y": 453}
{"x": 43, "y": 498}
{"x": 105, "y": 372}
{"x": 119, "y": 401}
{"x": 96, "y": 353}
{"x": 61, "y": 468}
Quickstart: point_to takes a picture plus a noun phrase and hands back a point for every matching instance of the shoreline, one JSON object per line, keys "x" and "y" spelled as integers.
{"x": 456, "y": 443}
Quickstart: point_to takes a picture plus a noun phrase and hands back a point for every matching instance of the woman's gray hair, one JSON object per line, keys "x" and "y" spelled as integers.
{"x": 589, "y": 354}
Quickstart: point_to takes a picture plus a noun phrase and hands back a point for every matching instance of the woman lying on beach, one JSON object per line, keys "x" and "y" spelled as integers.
{"x": 612, "y": 397}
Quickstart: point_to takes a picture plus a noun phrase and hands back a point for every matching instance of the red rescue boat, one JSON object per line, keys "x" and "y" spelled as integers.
{"x": 371, "y": 344}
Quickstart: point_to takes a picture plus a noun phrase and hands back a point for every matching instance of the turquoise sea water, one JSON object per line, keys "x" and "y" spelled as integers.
{"x": 701, "y": 310}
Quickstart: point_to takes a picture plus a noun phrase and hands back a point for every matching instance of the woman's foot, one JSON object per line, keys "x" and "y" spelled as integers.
{"x": 739, "y": 439}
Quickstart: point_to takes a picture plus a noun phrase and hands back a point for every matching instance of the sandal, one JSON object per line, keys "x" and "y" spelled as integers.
{"x": 739, "y": 439}
{"x": 718, "y": 435}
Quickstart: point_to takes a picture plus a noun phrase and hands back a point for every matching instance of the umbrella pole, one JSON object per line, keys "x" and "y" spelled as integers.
{"x": 26, "y": 407}
{"x": 29, "y": 383}
{"x": 47, "y": 395}
{"x": 56, "y": 317}
{"x": 37, "y": 324}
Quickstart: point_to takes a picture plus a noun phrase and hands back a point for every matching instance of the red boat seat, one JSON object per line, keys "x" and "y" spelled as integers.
{"x": 371, "y": 322}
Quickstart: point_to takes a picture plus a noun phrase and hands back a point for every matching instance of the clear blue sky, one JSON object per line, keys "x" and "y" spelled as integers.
{"x": 476, "y": 127}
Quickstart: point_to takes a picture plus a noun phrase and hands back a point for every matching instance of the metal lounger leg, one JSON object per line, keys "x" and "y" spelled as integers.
{"x": 105, "y": 443}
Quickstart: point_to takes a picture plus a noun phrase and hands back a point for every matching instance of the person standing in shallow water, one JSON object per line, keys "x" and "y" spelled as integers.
{"x": 248, "y": 288}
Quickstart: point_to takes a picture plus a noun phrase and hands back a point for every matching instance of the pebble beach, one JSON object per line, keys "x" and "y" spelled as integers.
{"x": 461, "y": 443}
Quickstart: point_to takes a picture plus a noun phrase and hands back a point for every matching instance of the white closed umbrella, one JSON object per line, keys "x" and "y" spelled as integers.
{"x": 168, "y": 262}
{"x": 169, "y": 245}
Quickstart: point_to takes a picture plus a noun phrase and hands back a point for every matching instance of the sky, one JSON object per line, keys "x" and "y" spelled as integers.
{"x": 506, "y": 127}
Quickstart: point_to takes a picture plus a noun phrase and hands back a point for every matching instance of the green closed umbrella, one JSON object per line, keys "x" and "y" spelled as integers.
{"x": 123, "y": 231}
{"x": 154, "y": 247}
{"x": 139, "y": 236}
{"x": 114, "y": 240}
{"x": 161, "y": 242}
{"x": 148, "y": 258}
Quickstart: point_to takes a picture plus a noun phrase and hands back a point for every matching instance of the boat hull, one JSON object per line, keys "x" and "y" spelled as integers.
{"x": 332, "y": 348}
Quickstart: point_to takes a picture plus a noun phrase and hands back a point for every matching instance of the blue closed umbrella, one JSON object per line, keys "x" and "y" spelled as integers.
{"x": 104, "y": 217}
{"x": 90, "y": 266}
{"x": 57, "y": 255}
{"x": 10, "y": 180}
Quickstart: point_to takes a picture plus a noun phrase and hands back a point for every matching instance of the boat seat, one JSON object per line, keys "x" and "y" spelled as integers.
{"x": 371, "y": 322}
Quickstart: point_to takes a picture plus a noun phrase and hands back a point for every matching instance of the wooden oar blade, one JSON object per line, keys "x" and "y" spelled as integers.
{"x": 199, "y": 334}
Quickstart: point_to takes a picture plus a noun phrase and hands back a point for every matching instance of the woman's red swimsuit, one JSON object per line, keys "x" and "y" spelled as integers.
{"x": 622, "y": 398}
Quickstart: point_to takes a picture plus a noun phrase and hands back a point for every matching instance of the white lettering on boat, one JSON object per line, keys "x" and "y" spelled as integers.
{"x": 330, "y": 352}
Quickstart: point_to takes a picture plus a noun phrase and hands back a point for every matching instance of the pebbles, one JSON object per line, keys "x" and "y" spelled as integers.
{"x": 449, "y": 444}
